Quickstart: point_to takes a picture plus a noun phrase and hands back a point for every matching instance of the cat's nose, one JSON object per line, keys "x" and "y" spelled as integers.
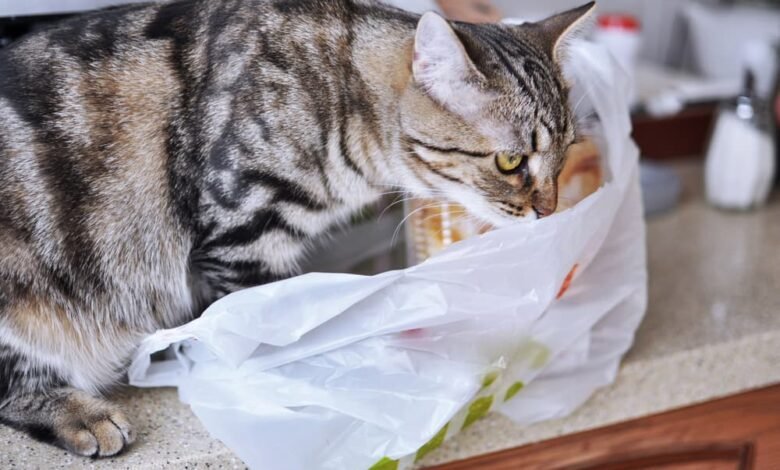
{"x": 542, "y": 211}
{"x": 544, "y": 204}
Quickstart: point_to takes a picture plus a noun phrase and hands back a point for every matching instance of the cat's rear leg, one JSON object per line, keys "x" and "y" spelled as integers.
{"x": 32, "y": 400}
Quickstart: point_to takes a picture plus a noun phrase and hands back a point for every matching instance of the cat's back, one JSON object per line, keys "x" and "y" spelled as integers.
{"x": 96, "y": 73}
{"x": 98, "y": 112}
{"x": 61, "y": 84}
{"x": 85, "y": 111}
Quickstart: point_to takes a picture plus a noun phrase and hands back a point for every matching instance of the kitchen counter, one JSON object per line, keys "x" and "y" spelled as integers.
{"x": 712, "y": 329}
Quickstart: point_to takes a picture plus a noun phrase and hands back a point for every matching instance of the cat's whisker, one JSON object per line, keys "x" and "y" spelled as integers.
{"x": 577, "y": 106}
{"x": 410, "y": 214}
{"x": 409, "y": 190}
{"x": 400, "y": 201}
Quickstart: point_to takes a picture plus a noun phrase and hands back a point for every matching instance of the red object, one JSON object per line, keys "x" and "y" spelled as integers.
{"x": 777, "y": 111}
{"x": 413, "y": 333}
{"x": 618, "y": 21}
{"x": 567, "y": 281}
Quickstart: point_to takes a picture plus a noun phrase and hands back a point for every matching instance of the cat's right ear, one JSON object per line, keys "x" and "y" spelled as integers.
{"x": 442, "y": 68}
{"x": 559, "y": 30}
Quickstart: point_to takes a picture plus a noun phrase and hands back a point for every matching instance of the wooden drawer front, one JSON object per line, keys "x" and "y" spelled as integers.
{"x": 736, "y": 433}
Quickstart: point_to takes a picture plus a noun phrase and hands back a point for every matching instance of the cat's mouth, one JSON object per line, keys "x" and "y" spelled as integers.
{"x": 503, "y": 214}
{"x": 508, "y": 218}
{"x": 496, "y": 212}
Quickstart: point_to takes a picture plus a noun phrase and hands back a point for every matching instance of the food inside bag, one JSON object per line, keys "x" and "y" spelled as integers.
{"x": 582, "y": 174}
{"x": 340, "y": 371}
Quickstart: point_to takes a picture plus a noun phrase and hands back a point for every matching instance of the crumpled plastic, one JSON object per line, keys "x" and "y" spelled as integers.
{"x": 339, "y": 371}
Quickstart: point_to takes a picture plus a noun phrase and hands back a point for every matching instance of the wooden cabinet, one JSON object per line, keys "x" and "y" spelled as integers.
{"x": 741, "y": 432}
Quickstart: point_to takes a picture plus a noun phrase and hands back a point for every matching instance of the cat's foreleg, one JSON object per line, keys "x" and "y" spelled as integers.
{"x": 45, "y": 372}
{"x": 69, "y": 418}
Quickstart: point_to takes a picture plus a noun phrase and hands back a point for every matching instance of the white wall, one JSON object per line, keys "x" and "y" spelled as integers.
{"x": 38, "y": 7}
{"x": 662, "y": 27}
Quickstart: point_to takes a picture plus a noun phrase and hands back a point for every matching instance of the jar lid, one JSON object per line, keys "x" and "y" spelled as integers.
{"x": 619, "y": 21}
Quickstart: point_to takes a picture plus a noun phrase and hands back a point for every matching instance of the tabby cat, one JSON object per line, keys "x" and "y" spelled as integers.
{"x": 156, "y": 157}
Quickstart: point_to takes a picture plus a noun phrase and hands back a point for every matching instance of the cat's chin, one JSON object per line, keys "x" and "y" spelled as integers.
{"x": 505, "y": 221}
{"x": 480, "y": 208}
{"x": 492, "y": 215}
{"x": 499, "y": 219}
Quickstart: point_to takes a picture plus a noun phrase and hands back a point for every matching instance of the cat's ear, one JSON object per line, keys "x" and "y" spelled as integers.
{"x": 558, "y": 30}
{"x": 442, "y": 67}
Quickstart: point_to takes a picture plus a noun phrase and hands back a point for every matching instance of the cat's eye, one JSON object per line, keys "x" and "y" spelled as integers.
{"x": 508, "y": 162}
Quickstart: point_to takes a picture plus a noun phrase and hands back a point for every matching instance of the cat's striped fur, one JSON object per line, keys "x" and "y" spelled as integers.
{"x": 156, "y": 157}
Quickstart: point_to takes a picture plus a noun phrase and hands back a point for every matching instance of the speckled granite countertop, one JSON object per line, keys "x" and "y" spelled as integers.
{"x": 712, "y": 329}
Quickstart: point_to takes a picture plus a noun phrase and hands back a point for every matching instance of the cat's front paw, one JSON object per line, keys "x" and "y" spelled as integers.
{"x": 91, "y": 427}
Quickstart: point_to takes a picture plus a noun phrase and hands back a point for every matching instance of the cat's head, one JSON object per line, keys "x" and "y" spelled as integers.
{"x": 486, "y": 119}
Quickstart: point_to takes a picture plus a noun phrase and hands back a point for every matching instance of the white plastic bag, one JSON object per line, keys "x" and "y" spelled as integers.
{"x": 339, "y": 371}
